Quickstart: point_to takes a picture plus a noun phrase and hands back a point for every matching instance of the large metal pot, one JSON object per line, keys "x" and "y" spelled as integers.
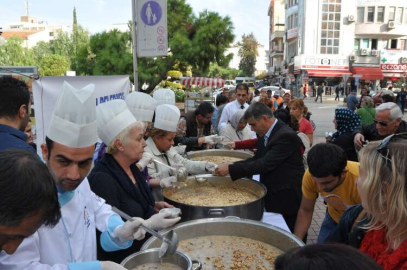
{"x": 252, "y": 210}
{"x": 221, "y": 153}
{"x": 232, "y": 226}
{"x": 152, "y": 256}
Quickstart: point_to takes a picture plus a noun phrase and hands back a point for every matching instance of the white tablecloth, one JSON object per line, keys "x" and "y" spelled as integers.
{"x": 273, "y": 218}
{"x": 276, "y": 220}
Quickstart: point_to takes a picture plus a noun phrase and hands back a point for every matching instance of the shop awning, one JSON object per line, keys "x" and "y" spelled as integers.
{"x": 368, "y": 73}
{"x": 327, "y": 73}
{"x": 203, "y": 82}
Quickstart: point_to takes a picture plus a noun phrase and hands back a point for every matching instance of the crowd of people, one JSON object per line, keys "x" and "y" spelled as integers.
{"x": 56, "y": 210}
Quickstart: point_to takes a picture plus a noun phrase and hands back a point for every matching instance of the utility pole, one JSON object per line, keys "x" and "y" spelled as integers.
{"x": 134, "y": 34}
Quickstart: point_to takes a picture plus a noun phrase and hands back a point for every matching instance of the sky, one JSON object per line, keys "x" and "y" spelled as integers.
{"x": 97, "y": 15}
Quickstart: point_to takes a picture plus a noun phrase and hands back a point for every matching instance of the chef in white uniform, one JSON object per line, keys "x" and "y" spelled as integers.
{"x": 71, "y": 244}
{"x": 164, "y": 96}
{"x": 160, "y": 147}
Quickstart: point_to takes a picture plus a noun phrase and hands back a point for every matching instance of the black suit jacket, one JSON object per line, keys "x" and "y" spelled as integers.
{"x": 109, "y": 181}
{"x": 281, "y": 169}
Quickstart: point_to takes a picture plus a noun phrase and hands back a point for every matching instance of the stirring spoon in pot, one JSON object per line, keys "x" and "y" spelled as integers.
{"x": 169, "y": 241}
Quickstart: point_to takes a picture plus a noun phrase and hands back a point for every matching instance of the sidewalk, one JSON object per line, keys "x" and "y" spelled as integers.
{"x": 318, "y": 217}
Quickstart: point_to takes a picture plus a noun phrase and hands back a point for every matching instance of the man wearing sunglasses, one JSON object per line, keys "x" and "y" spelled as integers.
{"x": 388, "y": 121}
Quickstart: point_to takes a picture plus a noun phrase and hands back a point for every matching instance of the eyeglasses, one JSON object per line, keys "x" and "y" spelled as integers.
{"x": 384, "y": 151}
{"x": 382, "y": 123}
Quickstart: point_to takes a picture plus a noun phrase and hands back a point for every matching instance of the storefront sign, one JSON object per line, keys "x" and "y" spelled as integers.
{"x": 292, "y": 33}
{"x": 322, "y": 62}
{"x": 393, "y": 67}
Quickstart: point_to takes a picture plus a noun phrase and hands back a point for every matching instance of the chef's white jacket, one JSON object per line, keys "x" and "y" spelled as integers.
{"x": 71, "y": 244}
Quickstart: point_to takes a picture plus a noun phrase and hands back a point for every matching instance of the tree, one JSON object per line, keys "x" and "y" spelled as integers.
{"x": 215, "y": 71}
{"x": 54, "y": 65}
{"x": 194, "y": 42}
{"x": 248, "y": 53}
{"x": 14, "y": 54}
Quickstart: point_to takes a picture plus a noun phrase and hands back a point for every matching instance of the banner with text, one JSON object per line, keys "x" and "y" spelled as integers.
{"x": 152, "y": 34}
{"x": 47, "y": 90}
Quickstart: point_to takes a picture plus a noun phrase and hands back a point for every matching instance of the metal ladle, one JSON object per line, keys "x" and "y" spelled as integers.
{"x": 165, "y": 165}
{"x": 169, "y": 242}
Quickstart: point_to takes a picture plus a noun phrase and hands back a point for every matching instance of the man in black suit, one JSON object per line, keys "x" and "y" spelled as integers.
{"x": 278, "y": 160}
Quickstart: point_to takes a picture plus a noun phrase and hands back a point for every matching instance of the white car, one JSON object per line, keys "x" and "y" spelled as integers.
{"x": 273, "y": 89}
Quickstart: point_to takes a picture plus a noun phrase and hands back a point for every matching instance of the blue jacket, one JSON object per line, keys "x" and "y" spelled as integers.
{"x": 13, "y": 138}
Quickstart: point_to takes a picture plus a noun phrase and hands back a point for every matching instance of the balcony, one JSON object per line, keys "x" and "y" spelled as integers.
{"x": 276, "y": 35}
{"x": 276, "y": 53}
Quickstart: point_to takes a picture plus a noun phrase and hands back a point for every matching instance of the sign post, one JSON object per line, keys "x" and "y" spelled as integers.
{"x": 134, "y": 36}
{"x": 152, "y": 34}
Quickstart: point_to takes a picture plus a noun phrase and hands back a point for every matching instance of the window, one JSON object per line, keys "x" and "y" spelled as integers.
{"x": 380, "y": 14}
{"x": 330, "y": 27}
{"x": 399, "y": 15}
{"x": 402, "y": 44}
{"x": 295, "y": 19}
{"x": 393, "y": 44}
{"x": 370, "y": 14}
{"x": 356, "y": 45}
{"x": 365, "y": 43}
{"x": 361, "y": 15}
{"x": 405, "y": 16}
{"x": 392, "y": 11}
{"x": 374, "y": 44}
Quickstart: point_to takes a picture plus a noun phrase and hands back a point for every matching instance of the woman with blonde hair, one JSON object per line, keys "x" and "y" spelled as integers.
{"x": 378, "y": 227}
{"x": 299, "y": 110}
{"x": 367, "y": 111}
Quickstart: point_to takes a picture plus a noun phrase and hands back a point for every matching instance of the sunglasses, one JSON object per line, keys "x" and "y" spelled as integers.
{"x": 382, "y": 123}
{"x": 383, "y": 149}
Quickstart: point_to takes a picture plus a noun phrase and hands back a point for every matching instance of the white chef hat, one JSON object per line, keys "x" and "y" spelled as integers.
{"x": 166, "y": 117}
{"x": 73, "y": 122}
{"x": 141, "y": 105}
{"x": 112, "y": 118}
{"x": 164, "y": 96}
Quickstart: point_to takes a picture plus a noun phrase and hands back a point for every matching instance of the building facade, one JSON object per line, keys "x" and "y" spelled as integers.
{"x": 345, "y": 42}
{"x": 276, "y": 13}
{"x": 32, "y": 31}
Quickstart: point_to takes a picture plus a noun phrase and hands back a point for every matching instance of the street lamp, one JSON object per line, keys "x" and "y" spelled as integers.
{"x": 2, "y": 39}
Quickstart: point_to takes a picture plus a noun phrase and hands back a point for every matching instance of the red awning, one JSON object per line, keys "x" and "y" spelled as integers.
{"x": 327, "y": 73}
{"x": 368, "y": 73}
{"x": 203, "y": 82}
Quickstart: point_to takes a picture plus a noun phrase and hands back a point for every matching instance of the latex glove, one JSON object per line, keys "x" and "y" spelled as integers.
{"x": 107, "y": 265}
{"x": 160, "y": 221}
{"x": 211, "y": 167}
{"x": 168, "y": 181}
{"x": 144, "y": 161}
{"x": 180, "y": 149}
{"x": 130, "y": 230}
{"x": 209, "y": 139}
{"x": 358, "y": 140}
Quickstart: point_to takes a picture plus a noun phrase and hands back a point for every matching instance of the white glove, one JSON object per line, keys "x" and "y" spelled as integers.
{"x": 107, "y": 265}
{"x": 209, "y": 139}
{"x": 168, "y": 181}
{"x": 180, "y": 149}
{"x": 160, "y": 221}
{"x": 130, "y": 230}
{"x": 144, "y": 162}
{"x": 211, "y": 167}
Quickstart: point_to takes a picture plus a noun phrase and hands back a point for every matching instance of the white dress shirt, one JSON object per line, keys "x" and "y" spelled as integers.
{"x": 228, "y": 111}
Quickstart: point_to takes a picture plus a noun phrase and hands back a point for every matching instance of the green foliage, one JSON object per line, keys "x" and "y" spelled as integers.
{"x": 261, "y": 76}
{"x": 248, "y": 53}
{"x": 216, "y": 71}
{"x": 194, "y": 43}
{"x": 54, "y": 65}
{"x": 179, "y": 94}
{"x": 14, "y": 54}
{"x": 174, "y": 74}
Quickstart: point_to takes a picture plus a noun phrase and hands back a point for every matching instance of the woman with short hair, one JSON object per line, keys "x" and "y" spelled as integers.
{"x": 367, "y": 111}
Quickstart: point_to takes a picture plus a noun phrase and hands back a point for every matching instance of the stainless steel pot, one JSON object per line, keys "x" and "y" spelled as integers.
{"x": 152, "y": 256}
{"x": 232, "y": 226}
{"x": 252, "y": 210}
{"x": 221, "y": 153}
